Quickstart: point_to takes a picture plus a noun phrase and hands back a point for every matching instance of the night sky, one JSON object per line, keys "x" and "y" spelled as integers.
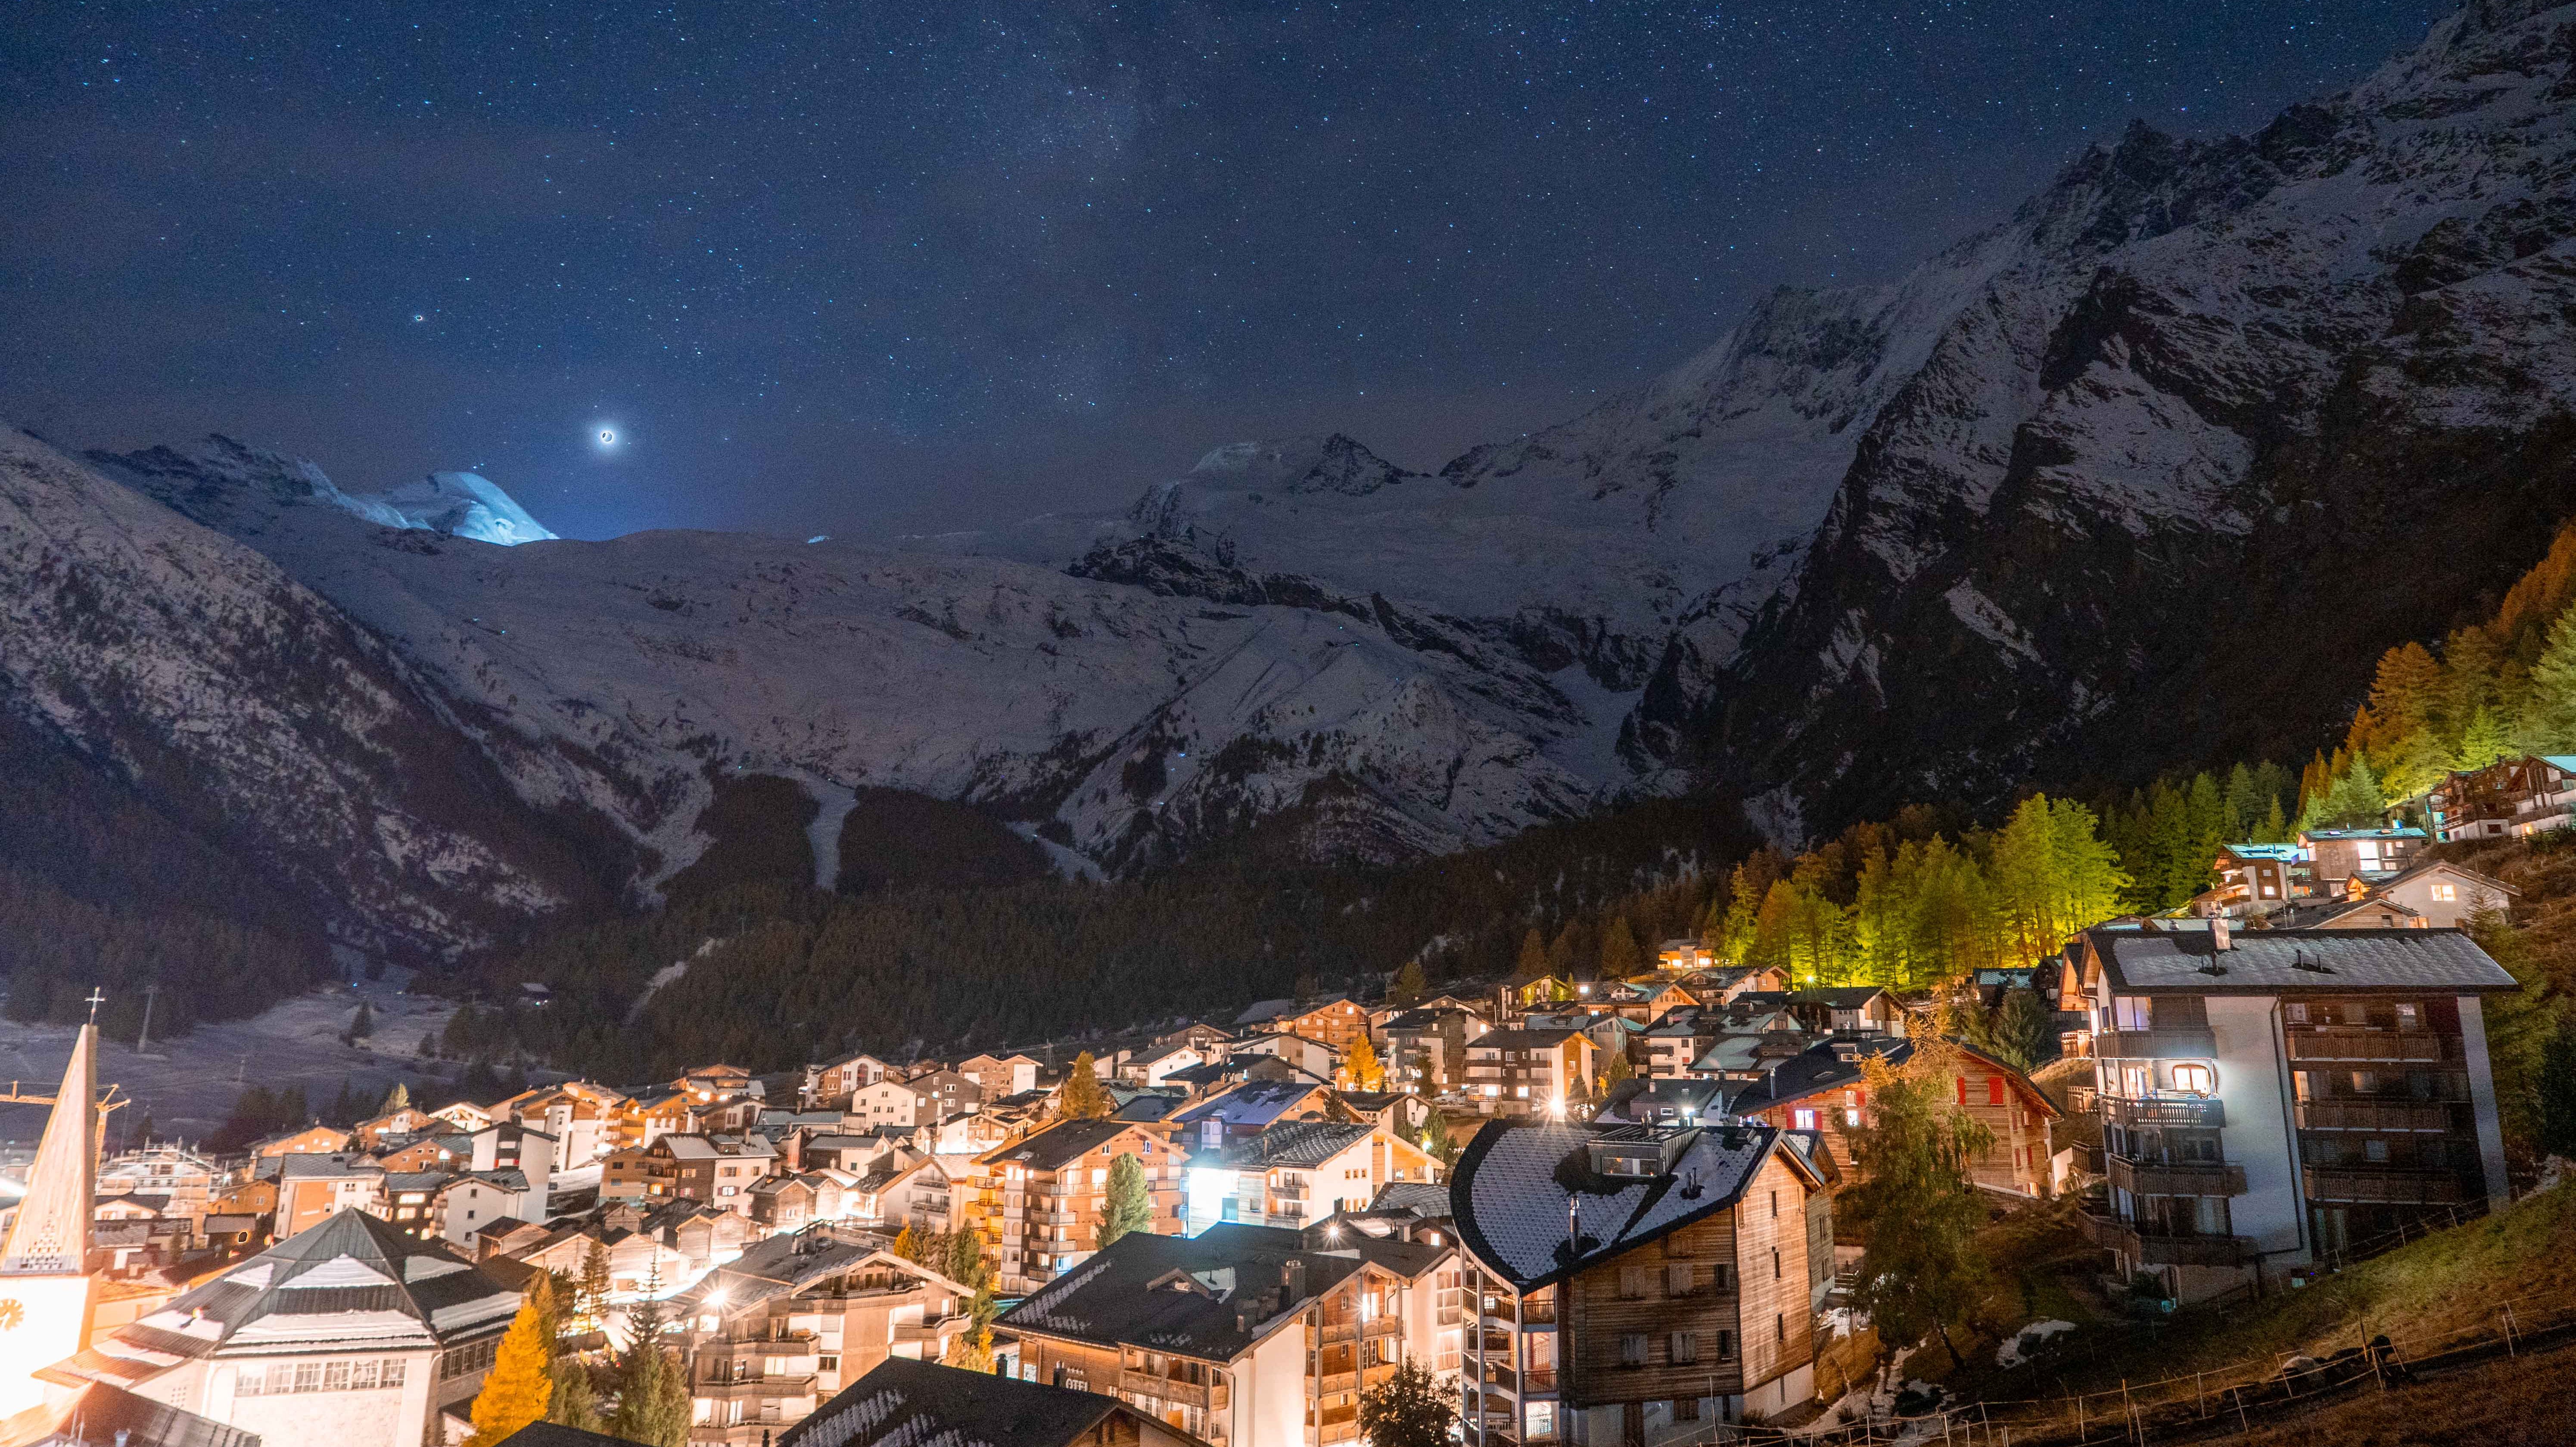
{"x": 917, "y": 265}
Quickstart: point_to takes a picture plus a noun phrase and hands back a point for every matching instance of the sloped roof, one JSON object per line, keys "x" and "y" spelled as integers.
{"x": 1254, "y": 1103}
{"x": 352, "y": 1281}
{"x": 902, "y": 1403}
{"x": 784, "y": 1265}
{"x": 2266, "y": 962}
{"x": 1514, "y": 1207}
{"x": 1057, "y": 1144}
{"x": 1300, "y": 1143}
{"x": 1180, "y": 1293}
{"x": 1422, "y": 1198}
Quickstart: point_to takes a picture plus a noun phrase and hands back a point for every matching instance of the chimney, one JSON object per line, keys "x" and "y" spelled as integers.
{"x": 2218, "y": 939}
{"x": 1292, "y": 1282}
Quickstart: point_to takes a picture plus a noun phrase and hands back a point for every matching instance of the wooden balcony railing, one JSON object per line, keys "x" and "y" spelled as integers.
{"x": 2378, "y": 1115}
{"x": 2372, "y": 1045}
{"x": 2155, "y": 1044}
{"x": 2165, "y": 1112}
{"x": 2179, "y": 1178}
{"x": 2384, "y": 1185}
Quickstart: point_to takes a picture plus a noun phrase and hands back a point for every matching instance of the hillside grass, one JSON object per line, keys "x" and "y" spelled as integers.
{"x": 2457, "y": 1279}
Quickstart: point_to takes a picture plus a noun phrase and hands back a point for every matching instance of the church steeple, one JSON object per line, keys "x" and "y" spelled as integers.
{"x": 51, "y": 1234}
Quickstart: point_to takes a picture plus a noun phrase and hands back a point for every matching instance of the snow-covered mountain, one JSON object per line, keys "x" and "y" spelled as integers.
{"x": 2148, "y": 472}
{"x": 234, "y": 699}
{"x": 2213, "y": 424}
{"x": 615, "y": 677}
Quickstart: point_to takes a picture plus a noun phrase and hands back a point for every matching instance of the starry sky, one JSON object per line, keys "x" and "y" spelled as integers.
{"x": 865, "y": 268}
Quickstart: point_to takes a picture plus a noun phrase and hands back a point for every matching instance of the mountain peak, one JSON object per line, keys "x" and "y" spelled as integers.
{"x": 241, "y": 489}
{"x": 1337, "y": 463}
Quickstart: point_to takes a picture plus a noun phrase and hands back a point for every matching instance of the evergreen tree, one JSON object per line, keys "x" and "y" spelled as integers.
{"x": 2275, "y": 829}
{"x": 1565, "y": 950}
{"x": 521, "y": 1383}
{"x": 2549, "y": 717}
{"x": 1412, "y": 1408}
{"x": 1532, "y": 962}
{"x": 2023, "y": 1032}
{"x": 2521, "y": 1030}
{"x": 2354, "y": 800}
{"x": 1917, "y": 1207}
{"x": 652, "y": 1397}
{"x": 1620, "y": 957}
{"x": 1130, "y": 1206}
{"x": 1436, "y": 1139}
{"x": 1363, "y": 1067}
{"x": 590, "y": 1306}
{"x": 1615, "y": 1070}
{"x": 1082, "y": 1097}
{"x": 2482, "y": 742}
{"x": 1409, "y": 986}
{"x": 964, "y": 1264}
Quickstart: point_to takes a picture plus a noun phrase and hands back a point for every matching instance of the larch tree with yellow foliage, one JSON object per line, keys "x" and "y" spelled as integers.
{"x": 521, "y": 1383}
{"x": 1365, "y": 1071}
{"x": 1082, "y": 1097}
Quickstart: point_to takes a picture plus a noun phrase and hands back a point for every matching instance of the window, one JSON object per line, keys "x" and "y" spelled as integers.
{"x": 1677, "y": 1279}
{"x": 1775, "y": 1263}
{"x": 1775, "y": 1205}
{"x": 1804, "y": 1119}
{"x": 1684, "y": 1347}
{"x": 1994, "y": 1090}
{"x": 1632, "y": 1349}
{"x": 2375, "y": 1152}
{"x": 2132, "y": 1012}
{"x": 2194, "y": 1079}
{"x": 1851, "y": 1116}
{"x": 1721, "y": 1275}
{"x": 2409, "y": 1018}
{"x": 1962, "y": 1082}
{"x": 2446, "y": 893}
{"x": 1780, "y": 1327}
{"x": 1726, "y": 1346}
{"x": 1632, "y": 1282}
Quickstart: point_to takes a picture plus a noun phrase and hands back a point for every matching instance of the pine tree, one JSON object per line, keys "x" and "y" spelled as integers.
{"x": 1412, "y": 1408}
{"x": 1620, "y": 957}
{"x": 1532, "y": 962}
{"x": 520, "y": 1384}
{"x": 1917, "y": 1207}
{"x": 1081, "y": 1096}
{"x": 590, "y": 1306}
{"x": 1409, "y": 986}
{"x": 1436, "y": 1139}
{"x": 2483, "y": 741}
{"x": 1130, "y": 1206}
{"x": 1618, "y": 1069}
{"x": 2549, "y": 717}
{"x": 1362, "y": 1064}
{"x": 652, "y": 1399}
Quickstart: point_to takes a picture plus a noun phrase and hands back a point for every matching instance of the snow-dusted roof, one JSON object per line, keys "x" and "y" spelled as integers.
{"x": 2265, "y": 962}
{"x": 1519, "y": 1216}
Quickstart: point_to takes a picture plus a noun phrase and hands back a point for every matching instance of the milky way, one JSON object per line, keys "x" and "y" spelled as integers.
{"x": 917, "y": 266}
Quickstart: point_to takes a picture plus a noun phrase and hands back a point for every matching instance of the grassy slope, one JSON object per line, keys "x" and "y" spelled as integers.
{"x": 2452, "y": 1279}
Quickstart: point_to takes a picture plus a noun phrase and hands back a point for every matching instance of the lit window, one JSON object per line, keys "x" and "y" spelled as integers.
{"x": 2194, "y": 1079}
{"x": 2447, "y": 893}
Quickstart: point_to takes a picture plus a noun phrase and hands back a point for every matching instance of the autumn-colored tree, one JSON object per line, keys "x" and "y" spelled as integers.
{"x": 520, "y": 1384}
{"x": 907, "y": 1244}
{"x": 1362, "y": 1063}
{"x": 1082, "y": 1097}
{"x": 1532, "y": 961}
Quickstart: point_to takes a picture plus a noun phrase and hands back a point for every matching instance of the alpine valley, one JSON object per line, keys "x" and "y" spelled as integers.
{"x": 2146, "y": 474}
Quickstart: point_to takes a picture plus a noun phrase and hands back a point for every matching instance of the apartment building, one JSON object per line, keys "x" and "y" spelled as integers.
{"x": 1037, "y": 1203}
{"x": 1822, "y": 1089}
{"x": 2523, "y": 795}
{"x": 1245, "y": 1336}
{"x": 770, "y": 1334}
{"x": 1523, "y": 1072}
{"x": 719, "y": 1170}
{"x": 2272, "y": 1097}
{"x": 1426, "y": 1049}
{"x": 918, "y": 1100}
{"x": 1634, "y": 1284}
{"x": 1298, "y": 1173}
{"x": 1338, "y": 1023}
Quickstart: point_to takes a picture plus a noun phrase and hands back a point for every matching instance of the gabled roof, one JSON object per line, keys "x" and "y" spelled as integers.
{"x": 2269, "y": 962}
{"x": 902, "y": 1403}
{"x": 1299, "y": 1143}
{"x": 1253, "y": 1103}
{"x": 349, "y": 1283}
{"x": 2443, "y": 866}
{"x": 1186, "y": 1294}
{"x": 785, "y": 1265}
{"x": 1515, "y": 1207}
{"x": 1058, "y": 1144}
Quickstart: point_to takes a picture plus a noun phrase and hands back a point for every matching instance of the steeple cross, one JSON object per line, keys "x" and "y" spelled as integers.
{"x": 96, "y": 999}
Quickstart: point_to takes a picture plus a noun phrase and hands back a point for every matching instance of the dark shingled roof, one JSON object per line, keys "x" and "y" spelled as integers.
{"x": 2267, "y": 962}
{"x": 550, "y": 1434}
{"x": 1513, "y": 1202}
{"x": 1296, "y": 1143}
{"x": 1422, "y": 1198}
{"x": 902, "y": 1403}
{"x": 1819, "y": 1068}
{"x": 1208, "y": 1296}
{"x": 1051, "y": 1148}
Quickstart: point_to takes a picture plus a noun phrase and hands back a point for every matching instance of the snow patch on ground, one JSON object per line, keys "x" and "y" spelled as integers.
{"x": 188, "y": 1085}
{"x": 2015, "y": 1349}
{"x": 1072, "y": 864}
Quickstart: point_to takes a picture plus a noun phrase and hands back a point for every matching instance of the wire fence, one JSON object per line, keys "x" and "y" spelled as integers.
{"x": 2248, "y": 1391}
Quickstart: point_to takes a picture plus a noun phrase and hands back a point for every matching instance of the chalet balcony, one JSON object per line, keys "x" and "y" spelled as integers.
{"x": 2377, "y": 1046}
{"x": 2164, "y": 1112}
{"x": 2188, "y": 1041}
{"x": 2386, "y": 1186}
{"x": 1215, "y": 1397}
{"x": 2177, "y": 1178}
{"x": 2154, "y": 1250}
{"x": 756, "y": 1389}
{"x": 2378, "y": 1115}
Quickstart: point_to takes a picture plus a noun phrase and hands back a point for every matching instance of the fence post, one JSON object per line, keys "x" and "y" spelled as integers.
{"x": 2241, "y": 1424}
{"x": 2509, "y": 1348}
{"x": 2199, "y": 1398}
